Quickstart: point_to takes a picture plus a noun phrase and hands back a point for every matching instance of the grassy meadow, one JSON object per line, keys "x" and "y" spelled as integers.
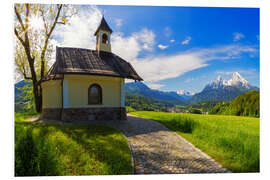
{"x": 233, "y": 141}
{"x": 42, "y": 149}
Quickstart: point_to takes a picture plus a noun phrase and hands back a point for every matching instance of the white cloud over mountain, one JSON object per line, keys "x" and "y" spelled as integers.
{"x": 155, "y": 85}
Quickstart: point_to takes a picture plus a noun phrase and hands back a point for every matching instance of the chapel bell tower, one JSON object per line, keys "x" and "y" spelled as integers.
{"x": 103, "y": 36}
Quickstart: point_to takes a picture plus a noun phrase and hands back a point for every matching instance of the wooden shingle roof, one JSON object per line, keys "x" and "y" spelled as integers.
{"x": 91, "y": 62}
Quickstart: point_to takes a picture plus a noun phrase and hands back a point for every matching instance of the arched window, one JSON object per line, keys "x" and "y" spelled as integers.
{"x": 94, "y": 94}
{"x": 104, "y": 38}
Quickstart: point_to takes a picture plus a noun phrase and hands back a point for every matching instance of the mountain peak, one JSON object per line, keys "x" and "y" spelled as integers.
{"x": 223, "y": 90}
{"x": 236, "y": 80}
{"x": 236, "y": 74}
{"x": 219, "y": 78}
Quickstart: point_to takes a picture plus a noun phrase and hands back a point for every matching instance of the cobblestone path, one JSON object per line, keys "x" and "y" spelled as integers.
{"x": 158, "y": 150}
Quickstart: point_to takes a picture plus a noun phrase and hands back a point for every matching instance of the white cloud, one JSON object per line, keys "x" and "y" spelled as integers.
{"x": 186, "y": 41}
{"x": 126, "y": 47}
{"x": 129, "y": 47}
{"x": 118, "y": 22}
{"x": 172, "y": 41}
{"x": 157, "y": 68}
{"x": 167, "y": 31}
{"x": 153, "y": 69}
{"x": 225, "y": 52}
{"x": 155, "y": 85}
{"x": 160, "y": 46}
{"x": 237, "y": 36}
{"x": 248, "y": 72}
{"x": 146, "y": 37}
{"x": 79, "y": 32}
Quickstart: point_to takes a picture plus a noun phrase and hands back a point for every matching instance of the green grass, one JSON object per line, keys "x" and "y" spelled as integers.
{"x": 42, "y": 149}
{"x": 233, "y": 141}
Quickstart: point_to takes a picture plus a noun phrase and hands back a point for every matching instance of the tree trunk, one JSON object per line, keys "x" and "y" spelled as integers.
{"x": 37, "y": 91}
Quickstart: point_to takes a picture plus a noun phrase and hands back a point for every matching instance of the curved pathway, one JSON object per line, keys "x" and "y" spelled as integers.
{"x": 158, "y": 150}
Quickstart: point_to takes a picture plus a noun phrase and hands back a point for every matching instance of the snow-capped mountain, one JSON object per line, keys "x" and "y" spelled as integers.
{"x": 223, "y": 90}
{"x": 218, "y": 83}
{"x": 185, "y": 94}
{"x": 237, "y": 81}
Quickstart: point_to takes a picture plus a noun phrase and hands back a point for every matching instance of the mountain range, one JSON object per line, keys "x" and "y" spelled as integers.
{"x": 223, "y": 90}
{"x": 140, "y": 88}
{"x": 217, "y": 90}
{"x": 236, "y": 81}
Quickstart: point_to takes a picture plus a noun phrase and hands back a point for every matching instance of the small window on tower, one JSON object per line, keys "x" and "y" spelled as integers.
{"x": 105, "y": 39}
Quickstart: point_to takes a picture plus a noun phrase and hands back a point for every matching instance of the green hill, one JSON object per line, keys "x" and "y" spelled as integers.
{"x": 247, "y": 104}
{"x": 141, "y": 103}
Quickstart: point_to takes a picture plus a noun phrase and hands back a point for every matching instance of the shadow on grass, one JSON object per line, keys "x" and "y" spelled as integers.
{"x": 95, "y": 150}
{"x": 104, "y": 144}
{"x": 34, "y": 157}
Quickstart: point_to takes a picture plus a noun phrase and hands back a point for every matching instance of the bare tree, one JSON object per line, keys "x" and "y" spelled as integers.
{"x": 34, "y": 26}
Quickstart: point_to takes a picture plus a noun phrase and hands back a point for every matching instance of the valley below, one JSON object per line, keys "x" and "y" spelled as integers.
{"x": 228, "y": 97}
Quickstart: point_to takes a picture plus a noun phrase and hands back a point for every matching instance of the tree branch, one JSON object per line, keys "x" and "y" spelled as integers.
{"x": 42, "y": 57}
{"x": 19, "y": 17}
{"x": 60, "y": 23}
{"x": 44, "y": 22}
{"x": 55, "y": 20}
{"x": 26, "y": 40}
{"x": 17, "y": 35}
{"x": 24, "y": 72}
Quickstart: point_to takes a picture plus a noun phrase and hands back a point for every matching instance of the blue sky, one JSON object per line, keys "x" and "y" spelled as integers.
{"x": 175, "y": 48}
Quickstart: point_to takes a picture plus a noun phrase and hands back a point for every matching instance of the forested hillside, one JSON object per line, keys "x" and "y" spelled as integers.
{"x": 140, "y": 103}
{"x": 24, "y": 101}
{"x": 247, "y": 104}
